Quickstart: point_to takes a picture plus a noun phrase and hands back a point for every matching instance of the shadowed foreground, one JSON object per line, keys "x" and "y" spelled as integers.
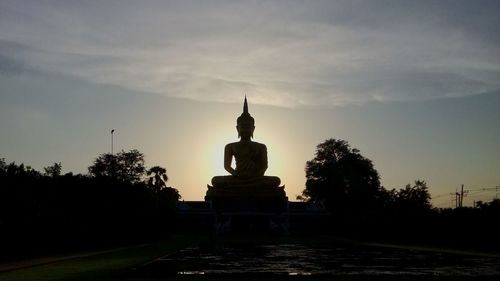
{"x": 102, "y": 265}
{"x": 265, "y": 258}
{"x": 305, "y": 258}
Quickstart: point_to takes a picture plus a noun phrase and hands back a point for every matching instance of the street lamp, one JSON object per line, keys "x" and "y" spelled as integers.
{"x": 112, "y": 131}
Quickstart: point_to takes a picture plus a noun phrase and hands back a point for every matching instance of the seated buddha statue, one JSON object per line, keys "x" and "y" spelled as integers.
{"x": 250, "y": 164}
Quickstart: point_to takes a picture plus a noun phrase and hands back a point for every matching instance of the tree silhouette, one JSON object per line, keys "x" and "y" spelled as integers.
{"x": 167, "y": 196}
{"x": 3, "y": 165}
{"x": 53, "y": 171}
{"x": 413, "y": 198}
{"x": 125, "y": 166}
{"x": 54, "y": 212}
{"x": 493, "y": 205}
{"x": 341, "y": 177}
{"x": 157, "y": 178}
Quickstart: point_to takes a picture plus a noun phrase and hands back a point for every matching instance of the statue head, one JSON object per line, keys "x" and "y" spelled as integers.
{"x": 245, "y": 124}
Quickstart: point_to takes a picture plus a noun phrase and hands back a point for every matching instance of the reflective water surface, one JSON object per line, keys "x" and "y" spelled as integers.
{"x": 294, "y": 259}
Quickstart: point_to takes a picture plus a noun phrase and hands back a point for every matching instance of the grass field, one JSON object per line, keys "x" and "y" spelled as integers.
{"x": 95, "y": 266}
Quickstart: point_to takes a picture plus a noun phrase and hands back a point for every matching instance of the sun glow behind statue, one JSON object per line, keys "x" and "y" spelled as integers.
{"x": 214, "y": 153}
{"x": 214, "y": 157}
{"x": 276, "y": 157}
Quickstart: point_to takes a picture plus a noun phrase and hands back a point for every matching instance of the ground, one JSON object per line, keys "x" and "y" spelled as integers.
{"x": 121, "y": 263}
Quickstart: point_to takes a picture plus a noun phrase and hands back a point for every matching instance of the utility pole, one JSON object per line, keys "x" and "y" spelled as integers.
{"x": 462, "y": 196}
{"x": 459, "y": 197}
{"x": 456, "y": 199}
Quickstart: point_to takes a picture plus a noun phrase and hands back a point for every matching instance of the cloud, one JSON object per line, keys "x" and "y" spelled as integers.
{"x": 280, "y": 53}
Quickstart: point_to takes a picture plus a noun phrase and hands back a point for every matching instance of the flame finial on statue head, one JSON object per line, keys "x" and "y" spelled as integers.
{"x": 245, "y": 117}
{"x": 245, "y": 105}
{"x": 245, "y": 120}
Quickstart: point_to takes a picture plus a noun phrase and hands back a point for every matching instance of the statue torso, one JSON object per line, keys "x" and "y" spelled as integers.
{"x": 251, "y": 158}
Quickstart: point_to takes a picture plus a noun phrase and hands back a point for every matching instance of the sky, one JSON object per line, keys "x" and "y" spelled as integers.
{"x": 414, "y": 85}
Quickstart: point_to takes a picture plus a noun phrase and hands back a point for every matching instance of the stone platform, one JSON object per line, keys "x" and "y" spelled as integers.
{"x": 234, "y": 199}
{"x": 294, "y": 217}
{"x": 238, "y": 209}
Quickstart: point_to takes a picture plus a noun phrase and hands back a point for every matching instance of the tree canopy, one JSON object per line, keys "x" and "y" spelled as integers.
{"x": 115, "y": 202}
{"x": 414, "y": 197}
{"x": 53, "y": 171}
{"x": 341, "y": 177}
{"x": 125, "y": 166}
{"x": 157, "y": 177}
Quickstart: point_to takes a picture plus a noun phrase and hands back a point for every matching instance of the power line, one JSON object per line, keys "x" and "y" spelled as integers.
{"x": 457, "y": 197}
{"x": 497, "y": 188}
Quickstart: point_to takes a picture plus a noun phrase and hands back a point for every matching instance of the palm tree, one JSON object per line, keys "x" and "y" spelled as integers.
{"x": 157, "y": 178}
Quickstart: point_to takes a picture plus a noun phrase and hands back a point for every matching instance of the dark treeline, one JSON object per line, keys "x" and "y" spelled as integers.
{"x": 47, "y": 212}
{"x": 459, "y": 228}
{"x": 348, "y": 185}
{"x": 120, "y": 201}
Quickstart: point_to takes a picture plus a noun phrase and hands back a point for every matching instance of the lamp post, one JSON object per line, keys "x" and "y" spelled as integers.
{"x": 112, "y": 131}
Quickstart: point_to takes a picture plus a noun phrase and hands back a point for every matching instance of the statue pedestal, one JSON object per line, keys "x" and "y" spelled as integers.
{"x": 247, "y": 199}
{"x": 255, "y": 208}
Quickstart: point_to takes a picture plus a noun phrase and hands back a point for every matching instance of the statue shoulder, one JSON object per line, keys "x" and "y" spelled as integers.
{"x": 260, "y": 145}
{"x": 231, "y": 145}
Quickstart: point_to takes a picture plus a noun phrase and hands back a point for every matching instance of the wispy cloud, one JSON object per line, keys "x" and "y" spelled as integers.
{"x": 282, "y": 53}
